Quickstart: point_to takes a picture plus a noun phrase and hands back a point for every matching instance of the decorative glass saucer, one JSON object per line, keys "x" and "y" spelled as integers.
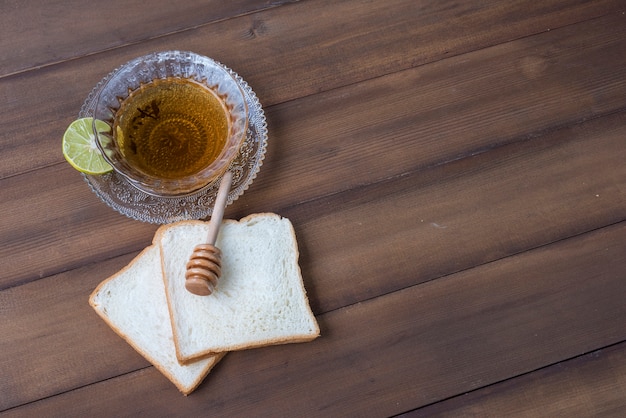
{"x": 115, "y": 191}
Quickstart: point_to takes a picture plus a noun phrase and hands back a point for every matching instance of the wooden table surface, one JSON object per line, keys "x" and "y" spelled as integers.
{"x": 454, "y": 171}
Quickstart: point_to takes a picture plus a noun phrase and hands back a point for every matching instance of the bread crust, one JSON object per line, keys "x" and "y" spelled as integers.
{"x": 187, "y": 359}
{"x": 212, "y": 357}
{"x": 186, "y": 390}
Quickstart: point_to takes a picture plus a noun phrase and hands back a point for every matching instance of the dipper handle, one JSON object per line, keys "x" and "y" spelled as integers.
{"x": 205, "y": 265}
{"x": 218, "y": 208}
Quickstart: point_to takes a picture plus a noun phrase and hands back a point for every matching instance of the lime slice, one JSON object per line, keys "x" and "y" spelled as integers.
{"x": 80, "y": 149}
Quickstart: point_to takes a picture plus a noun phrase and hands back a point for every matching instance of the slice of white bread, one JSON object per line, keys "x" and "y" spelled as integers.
{"x": 260, "y": 299}
{"x": 132, "y": 302}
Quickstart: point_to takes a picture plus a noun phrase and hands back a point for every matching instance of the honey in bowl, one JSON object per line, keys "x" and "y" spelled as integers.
{"x": 175, "y": 121}
{"x": 171, "y": 128}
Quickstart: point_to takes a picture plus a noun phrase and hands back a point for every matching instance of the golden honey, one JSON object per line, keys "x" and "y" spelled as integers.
{"x": 171, "y": 128}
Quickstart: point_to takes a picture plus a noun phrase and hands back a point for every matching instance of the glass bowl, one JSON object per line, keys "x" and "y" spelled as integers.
{"x": 169, "y": 71}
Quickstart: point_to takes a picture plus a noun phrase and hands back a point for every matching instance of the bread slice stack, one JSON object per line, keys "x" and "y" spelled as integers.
{"x": 260, "y": 299}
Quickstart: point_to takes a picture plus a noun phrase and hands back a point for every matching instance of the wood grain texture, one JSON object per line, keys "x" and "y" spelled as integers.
{"x": 62, "y": 222}
{"x": 591, "y": 385}
{"x": 49, "y": 32}
{"x": 500, "y": 206}
{"x": 454, "y": 172}
{"x": 350, "y": 146}
{"x": 400, "y": 123}
{"x": 52, "y": 333}
{"x": 401, "y": 350}
{"x": 279, "y": 73}
{"x": 453, "y": 217}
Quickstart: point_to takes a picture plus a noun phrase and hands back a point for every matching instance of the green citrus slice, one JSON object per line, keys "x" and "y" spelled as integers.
{"x": 80, "y": 149}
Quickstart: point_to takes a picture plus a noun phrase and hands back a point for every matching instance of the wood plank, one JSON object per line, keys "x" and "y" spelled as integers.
{"x": 26, "y": 37}
{"x": 297, "y": 143}
{"x": 442, "y": 220}
{"x": 466, "y": 242}
{"x": 56, "y": 334}
{"x": 433, "y": 214}
{"x": 457, "y": 215}
{"x": 443, "y": 111}
{"x": 424, "y": 97}
{"x": 58, "y": 224}
{"x": 591, "y": 385}
{"x": 383, "y": 356}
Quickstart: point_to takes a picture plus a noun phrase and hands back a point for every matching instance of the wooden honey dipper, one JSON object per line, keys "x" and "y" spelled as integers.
{"x": 205, "y": 266}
